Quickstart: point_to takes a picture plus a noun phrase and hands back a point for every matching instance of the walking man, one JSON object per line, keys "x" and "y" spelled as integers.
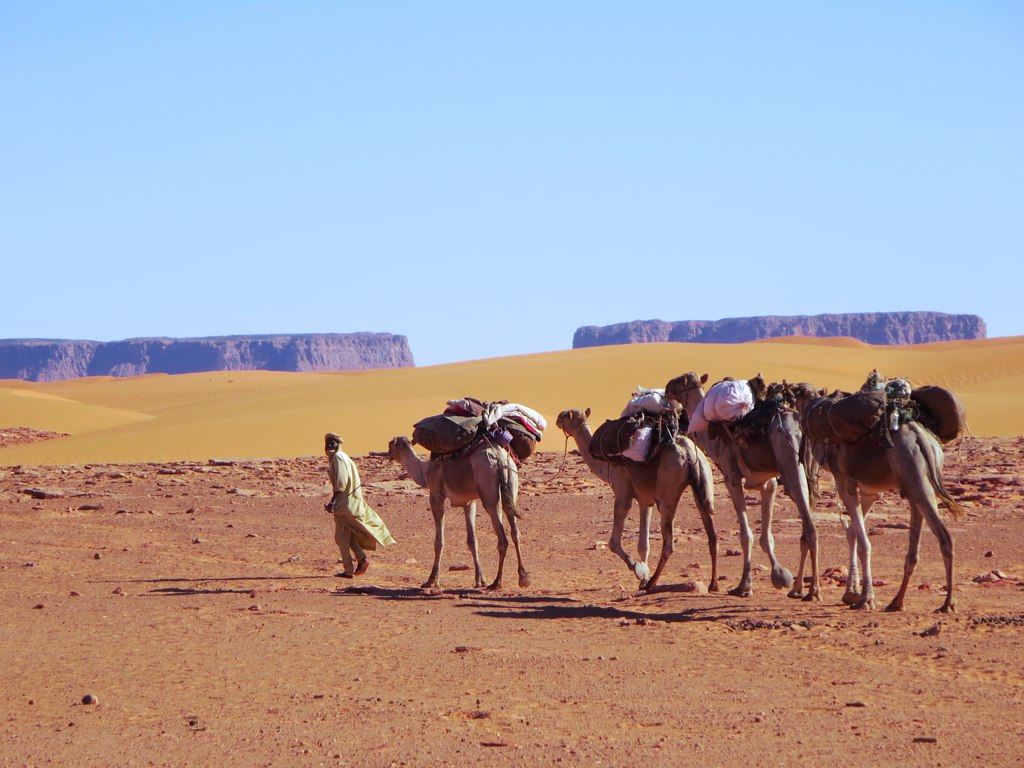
{"x": 357, "y": 527}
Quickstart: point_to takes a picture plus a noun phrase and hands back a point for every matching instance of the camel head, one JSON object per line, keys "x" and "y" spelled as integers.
{"x": 572, "y": 421}
{"x": 398, "y": 446}
{"x": 687, "y": 390}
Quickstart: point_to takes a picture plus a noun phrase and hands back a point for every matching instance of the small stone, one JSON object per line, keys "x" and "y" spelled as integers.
{"x": 97, "y": 556}
{"x": 38, "y": 606}
{"x": 117, "y": 591}
{"x": 75, "y": 594}
{"x": 733, "y": 552}
{"x": 459, "y": 567}
{"x": 932, "y": 631}
{"x": 695, "y": 586}
{"x": 990, "y": 553}
{"x": 925, "y": 740}
{"x": 90, "y": 699}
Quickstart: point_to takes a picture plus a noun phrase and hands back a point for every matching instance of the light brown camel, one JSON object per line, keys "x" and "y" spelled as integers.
{"x": 757, "y": 463}
{"x": 487, "y": 474}
{"x": 660, "y": 482}
{"x": 908, "y": 460}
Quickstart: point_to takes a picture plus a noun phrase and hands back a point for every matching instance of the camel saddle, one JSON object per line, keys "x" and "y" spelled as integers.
{"x": 632, "y": 439}
{"x": 843, "y": 418}
{"x": 769, "y": 401}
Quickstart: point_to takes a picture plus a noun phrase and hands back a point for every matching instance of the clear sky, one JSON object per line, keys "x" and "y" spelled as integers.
{"x": 486, "y": 177}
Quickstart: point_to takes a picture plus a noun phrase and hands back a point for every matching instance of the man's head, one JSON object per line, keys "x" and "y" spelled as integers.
{"x": 332, "y": 442}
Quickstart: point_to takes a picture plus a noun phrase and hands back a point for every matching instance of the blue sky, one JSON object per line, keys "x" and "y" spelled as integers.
{"x": 486, "y": 177}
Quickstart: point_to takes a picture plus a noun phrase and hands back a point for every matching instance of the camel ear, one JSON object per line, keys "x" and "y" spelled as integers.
{"x": 704, "y": 378}
{"x": 587, "y": 412}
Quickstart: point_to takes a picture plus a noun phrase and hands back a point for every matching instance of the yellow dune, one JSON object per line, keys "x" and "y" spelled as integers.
{"x": 251, "y": 414}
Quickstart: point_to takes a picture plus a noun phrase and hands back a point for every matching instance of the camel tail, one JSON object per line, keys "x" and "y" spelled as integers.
{"x": 932, "y": 453}
{"x": 508, "y": 489}
{"x": 703, "y": 486}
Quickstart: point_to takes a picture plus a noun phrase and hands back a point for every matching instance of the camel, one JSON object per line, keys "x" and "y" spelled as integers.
{"x": 487, "y": 474}
{"x": 908, "y": 460}
{"x": 757, "y": 464}
{"x": 660, "y": 482}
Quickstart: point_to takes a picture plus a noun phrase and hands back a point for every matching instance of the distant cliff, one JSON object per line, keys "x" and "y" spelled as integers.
{"x": 873, "y": 328}
{"x": 56, "y": 360}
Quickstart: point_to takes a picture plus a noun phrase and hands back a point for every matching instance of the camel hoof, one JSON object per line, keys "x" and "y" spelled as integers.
{"x": 428, "y": 585}
{"x": 895, "y": 607}
{"x": 642, "y": 571}
{"x": 494, "y": 585}
{"x": 947, "y": 608}
{"x": 524, "y": 580}
{"x": 851, "y": 598}
{"x": 713, "y": 586}
{"x": 782, "y": 578}
{"x": 864, "y": 605}
{"x": 740, "y": 591}
{"x": 812, "y": 597}
{"x": 796, "y": 594}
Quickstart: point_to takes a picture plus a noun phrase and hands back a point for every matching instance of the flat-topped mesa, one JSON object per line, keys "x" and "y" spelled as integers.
{"x": 869, "y": 327}
{"x": 57, "y": 360}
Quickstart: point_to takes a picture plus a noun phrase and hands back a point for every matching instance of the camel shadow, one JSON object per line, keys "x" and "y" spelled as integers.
{"x": 419, "y": 593}
{"x": 200, "y": 589}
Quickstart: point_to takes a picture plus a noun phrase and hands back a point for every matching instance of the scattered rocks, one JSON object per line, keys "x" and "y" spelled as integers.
{"x": 44, "y": 493}
{"x": 933, "y": 631}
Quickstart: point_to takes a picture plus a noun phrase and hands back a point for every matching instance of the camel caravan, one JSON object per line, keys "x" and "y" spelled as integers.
{"x": 761, "y": 436}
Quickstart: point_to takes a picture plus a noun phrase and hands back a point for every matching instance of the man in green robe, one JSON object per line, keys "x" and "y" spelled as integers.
{"x": 357, "y": 527}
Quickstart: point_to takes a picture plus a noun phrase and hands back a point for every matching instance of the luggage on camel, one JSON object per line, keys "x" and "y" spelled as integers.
{"x": 940, "y": 411}
{"x": 727, "y": 400}
{"x": 445, "y": 433}
{"x": 843, "y": 419}
{"x": 511, "y": 426}
{"x": 628, "y": 438}
{"x": 646, "y": 400}
{"x": 524, "y": 443}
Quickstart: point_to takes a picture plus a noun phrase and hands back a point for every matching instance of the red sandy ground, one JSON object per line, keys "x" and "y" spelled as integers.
{"x": 196, "y": 603}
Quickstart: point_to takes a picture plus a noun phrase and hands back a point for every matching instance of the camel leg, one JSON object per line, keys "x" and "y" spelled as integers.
{"x": 852, "y": 593}
{"x": 923, "y": 506}
{"x": 470, "y": 510}
{"x": 852, "y": 498}
{"x": 796, "y": 482}
{"x": 913, "y": 553}
{"x": 623, "y": 504}
{"x": 709, "y": 529}
{"x": 437, "y": 510}
{"x": 524, "y": 577}
{"x": 739, "y": 502}
{"x": 781, "y": 577}
{"x": 643, "y": 542}
{"x": 499, "y": 530}
{"x": 667, "y": 509}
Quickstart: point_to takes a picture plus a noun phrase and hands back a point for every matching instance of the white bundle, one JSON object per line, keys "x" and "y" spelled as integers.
{"x": 648, "y": 401}
{"x": 517, "y": 409}
{"x": 725, "y": 401}
{"x": 639, "y": 442}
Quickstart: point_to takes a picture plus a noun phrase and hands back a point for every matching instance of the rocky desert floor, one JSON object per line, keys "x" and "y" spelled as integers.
{"x": 188, "y": 614}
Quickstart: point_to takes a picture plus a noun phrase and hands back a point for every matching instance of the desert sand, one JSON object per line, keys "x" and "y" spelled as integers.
{"x": 165, "y": 557}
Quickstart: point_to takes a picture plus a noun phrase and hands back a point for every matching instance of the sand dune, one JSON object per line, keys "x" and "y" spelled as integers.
{"x": 244, "y": 414}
